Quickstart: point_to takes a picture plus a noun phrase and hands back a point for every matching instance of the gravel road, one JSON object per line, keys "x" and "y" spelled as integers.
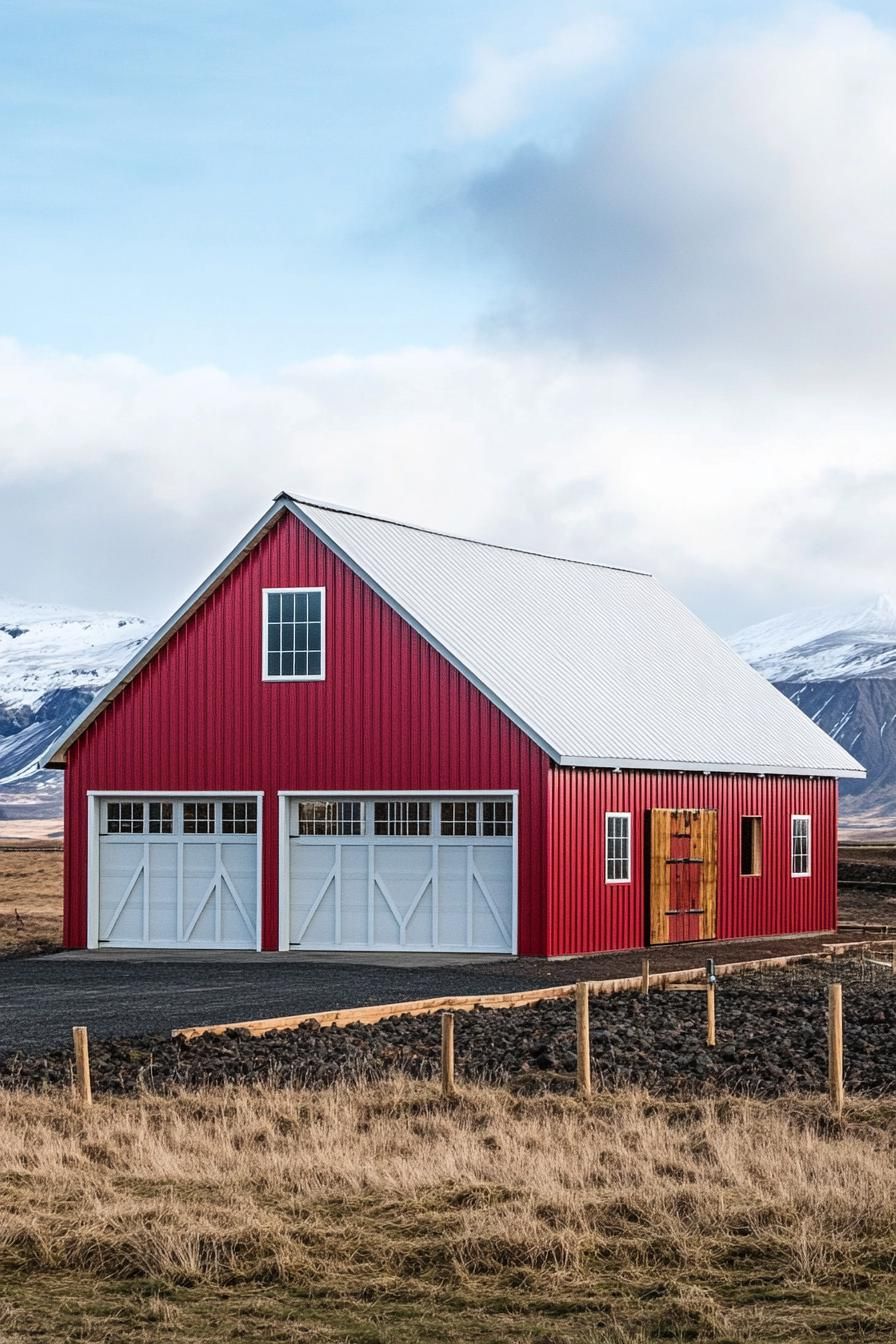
{"x": 41, "y": 998}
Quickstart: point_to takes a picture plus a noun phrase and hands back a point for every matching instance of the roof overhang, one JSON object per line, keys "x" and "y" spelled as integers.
{"x": 709, "y": 768}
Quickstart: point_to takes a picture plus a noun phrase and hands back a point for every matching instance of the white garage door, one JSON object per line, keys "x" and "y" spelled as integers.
{"x": 421, "y": 874}
{"x": 177, "y": 872}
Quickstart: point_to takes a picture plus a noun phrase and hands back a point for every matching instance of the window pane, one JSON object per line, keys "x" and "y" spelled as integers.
{"x": 161, "y": 818}
{"x": 497, "y": 818}
{"x": 401, "y": 818}
{"x": 296, "y": 632}
{"x": 239, "y": 818}
{"x": 458, "y": 818}
{"x": 331, "y": 817}
{"x": 199, "y": 818}
{"x": 617, "y": 861}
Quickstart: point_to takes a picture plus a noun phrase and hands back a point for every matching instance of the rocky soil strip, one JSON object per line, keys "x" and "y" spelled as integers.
{"x": 771, "y": 1040}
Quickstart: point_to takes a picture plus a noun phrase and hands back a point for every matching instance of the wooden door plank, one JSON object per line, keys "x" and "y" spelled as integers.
{"x": 660, "y": 832}
{"x": 709, "y": 872}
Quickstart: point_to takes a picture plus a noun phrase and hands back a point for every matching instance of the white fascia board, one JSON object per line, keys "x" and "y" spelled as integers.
{"x": 711, "y": 767}
{"x": 323, "y": 536}
{"x": 54, "y": 756}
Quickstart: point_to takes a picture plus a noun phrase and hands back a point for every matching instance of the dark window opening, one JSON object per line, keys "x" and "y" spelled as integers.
{"x": 750, "y": 846}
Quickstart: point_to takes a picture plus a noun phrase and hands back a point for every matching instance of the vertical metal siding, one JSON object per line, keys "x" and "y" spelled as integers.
{"x": 391, "y": 714}
{"x": 587, "y": 914}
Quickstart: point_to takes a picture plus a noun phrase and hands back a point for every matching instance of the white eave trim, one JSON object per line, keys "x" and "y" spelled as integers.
{"x": 711, "y": 767}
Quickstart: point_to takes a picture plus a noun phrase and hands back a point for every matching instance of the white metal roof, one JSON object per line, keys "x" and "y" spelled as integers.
{"x": 602, "y": 667}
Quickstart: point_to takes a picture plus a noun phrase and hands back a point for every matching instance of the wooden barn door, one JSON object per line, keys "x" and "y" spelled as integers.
{"x": 683, "y": 874}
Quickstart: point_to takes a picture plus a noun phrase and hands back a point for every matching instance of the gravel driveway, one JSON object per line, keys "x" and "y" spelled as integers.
{"x": 41, "y": 998}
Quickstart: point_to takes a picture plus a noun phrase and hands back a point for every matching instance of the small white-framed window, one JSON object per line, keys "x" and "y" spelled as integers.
{"x": 239, "y": 818}
{"x": 618, "y": 847}
{"x": 124, "y": 818}
{"x": 161, "y": 818}
{"x": 483, "y": 817}
{"x": 800, "y": 845}
{"x": 400, "y": 817}
{"x": 199, "y": 818}
{"x": 330, "y": 816}
{"x": 293, "y": 634}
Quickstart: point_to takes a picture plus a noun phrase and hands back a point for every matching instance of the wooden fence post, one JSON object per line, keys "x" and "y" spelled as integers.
{"x": 645, "y": 975}
{"x": 448, "y": 1088}
{"x": 82, "y": 1065}
{"x": 835, "y": 1048}
{"x": 583, "y": 1040}
{"x": 710, "y": 1002}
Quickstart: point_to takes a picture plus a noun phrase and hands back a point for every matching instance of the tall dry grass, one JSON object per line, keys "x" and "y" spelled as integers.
{"x": 702, "y": 1210}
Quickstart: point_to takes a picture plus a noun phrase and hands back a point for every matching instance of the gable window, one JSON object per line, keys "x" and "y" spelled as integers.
{"x": 618, "y": 851}
{"x": 294, "y": 636}
{"x": 800, "y": 846}
{"x": 751, "y": 846}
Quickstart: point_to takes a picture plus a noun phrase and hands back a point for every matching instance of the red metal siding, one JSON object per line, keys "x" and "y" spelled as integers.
{"x": 586, "y": 914}
{"x": 392, "y": 714}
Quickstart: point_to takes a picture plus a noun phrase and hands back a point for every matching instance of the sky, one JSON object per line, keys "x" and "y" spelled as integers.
{"x": 614, "y": 281}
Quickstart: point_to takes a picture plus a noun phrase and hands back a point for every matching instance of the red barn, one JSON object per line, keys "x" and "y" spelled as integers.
{"x": 364, "y": 735}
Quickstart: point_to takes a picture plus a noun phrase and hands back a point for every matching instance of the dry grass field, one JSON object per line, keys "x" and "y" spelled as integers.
{"x": 386, "y": 1215}
{"x": 30, "y": 898}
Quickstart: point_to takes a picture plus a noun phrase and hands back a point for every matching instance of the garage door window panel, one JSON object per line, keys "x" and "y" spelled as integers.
{"x": 322, "y": 816}
{"x": 401, "y": 818}
{"x": 125, "y": 818}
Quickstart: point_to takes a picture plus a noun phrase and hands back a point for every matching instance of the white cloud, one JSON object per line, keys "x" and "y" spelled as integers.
{"x": 122, "y": 485}
{"x": 739, "y": 197}
{"x": 502, "y": 85}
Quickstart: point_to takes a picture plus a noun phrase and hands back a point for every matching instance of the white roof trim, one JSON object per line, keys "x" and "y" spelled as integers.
{"x": 55, "y": 755}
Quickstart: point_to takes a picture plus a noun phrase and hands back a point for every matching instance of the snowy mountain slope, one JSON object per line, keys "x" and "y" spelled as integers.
{"x": 839, "y": 666}
{"x": 53, "y": 661}
{"x": 823, "y": 644}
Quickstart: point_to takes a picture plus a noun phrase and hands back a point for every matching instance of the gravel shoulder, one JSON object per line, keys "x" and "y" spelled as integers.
{"x": 771, "y": 1032}
{"x": 42, "y": 998}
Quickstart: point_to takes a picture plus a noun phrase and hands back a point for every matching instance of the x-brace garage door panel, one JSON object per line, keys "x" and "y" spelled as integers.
{"x": 177, "y": 890}
{"x": 433, "y": 893}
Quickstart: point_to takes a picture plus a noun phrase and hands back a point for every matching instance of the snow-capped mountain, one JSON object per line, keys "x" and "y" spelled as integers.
{"x": 822, "y": 644}
{"x": 53, "y": 661}
{"x": 839, "y": 666}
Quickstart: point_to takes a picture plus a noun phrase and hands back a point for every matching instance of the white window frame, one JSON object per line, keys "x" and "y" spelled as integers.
{"x": 627, "y": 818}
{"x": 317, "y": 676}
{"x": 801, "y": 816}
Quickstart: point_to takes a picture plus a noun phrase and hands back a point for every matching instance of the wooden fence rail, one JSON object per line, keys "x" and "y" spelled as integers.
{"x": 343, "y": 1017}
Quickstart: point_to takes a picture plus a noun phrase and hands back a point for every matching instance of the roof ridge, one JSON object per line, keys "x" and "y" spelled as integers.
{"x": 455, "y": 536}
